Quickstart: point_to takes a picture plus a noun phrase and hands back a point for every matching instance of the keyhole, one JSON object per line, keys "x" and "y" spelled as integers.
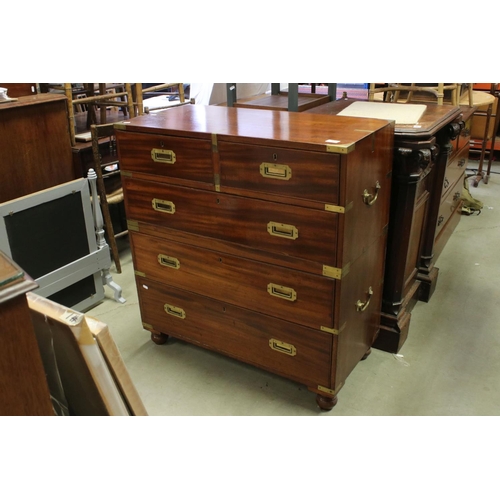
{"x": 275, "y": 157}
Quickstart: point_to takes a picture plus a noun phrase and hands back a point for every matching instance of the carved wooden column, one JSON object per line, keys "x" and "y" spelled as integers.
{"x": 428, "y": 273}
{"x": 413, "y": 163}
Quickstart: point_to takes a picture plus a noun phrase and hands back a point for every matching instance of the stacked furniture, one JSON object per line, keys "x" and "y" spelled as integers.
{"x": 261, "y": 234}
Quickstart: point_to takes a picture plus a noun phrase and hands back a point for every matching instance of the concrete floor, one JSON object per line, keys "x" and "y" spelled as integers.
{"x": 449, "y": 365}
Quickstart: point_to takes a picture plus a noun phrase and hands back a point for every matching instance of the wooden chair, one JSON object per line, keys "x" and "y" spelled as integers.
{"x": 139, "y": 91}
{"x": 100, "y": 100}
{"x": 113, "y": 192}
{"x": 406, "y": 92}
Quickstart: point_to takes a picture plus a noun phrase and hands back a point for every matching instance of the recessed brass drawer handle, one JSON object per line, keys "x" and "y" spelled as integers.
{"x": 167, "y": 261}
{"x": 275, "y": 171}
{"x": 361, "y": 306}
{"x": 163, "y": 156}
{"x": 283, "y": 230}
{"x": 370, "y": 199}
{"x": 178, "y": 312}
{"x": 164, "y": 206}
{"x": 282, "y": 292}
{"x": 277, "y": 345}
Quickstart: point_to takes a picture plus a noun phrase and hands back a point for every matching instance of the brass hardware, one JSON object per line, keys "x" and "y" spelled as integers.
{"x": 283, "y": 347}
{"x": 340, "y": 148}
{"x": 370, "y": 199}
{"x": 140, "y": 273}
{"x": 282, "y": 230}
{"x": 217, "y": 182}
{"x": 163, "y": 156}
{"x": 335, "y": 208}
{"x": 119, "y": 126}
{"x": 167, "y": 261}
{"x": 275, "y": 171}
{"x": 133, "y": 225}
{"x": 167, "y": 207}
{"x": 461, "y": 162}
{"x": 333, "y": 331}
{"x": 361, "y": 306}
{"x": 282, "y": 292}
{"x": 178, "y": 312}
{"x": 325, "y": 389}
{"x": 125, "y": 173}
{"x": 335, "y": 272}
{"x": 215, "y": 147}
{"x": 147, "y": 326}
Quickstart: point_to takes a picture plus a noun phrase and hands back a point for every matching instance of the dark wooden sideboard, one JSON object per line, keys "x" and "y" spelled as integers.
{"x": 23, "y": 385}
{"x": 428, "y": 171}
{"x": 35, "y": 147}
{"x": 261, "y": 234}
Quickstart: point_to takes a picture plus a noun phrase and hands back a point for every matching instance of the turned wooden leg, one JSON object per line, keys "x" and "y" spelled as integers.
{"x": 159, "y": 338}
{"x": 367, "y": 353}
{"x": 326, "y": 403}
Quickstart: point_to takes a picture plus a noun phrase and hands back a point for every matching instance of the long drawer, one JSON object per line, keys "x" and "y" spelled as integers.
{"x": 167, "y": 156}
{"x": 303, "y": 298}
{"x": 300, "y": 174}
{"x": 300, "y": 353}
{"x": 273, "y": 227}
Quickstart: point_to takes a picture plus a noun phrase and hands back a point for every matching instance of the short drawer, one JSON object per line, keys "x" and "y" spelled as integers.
{"x": 463, "y": 138}
{"x": 300, "y": 174}
{"x": 296, "y": 352}
{"x": 449, "y": 204}
{"x": 295, "y": 296}
{"x": 166, "y": 156}
{"x": 455, "y": 170}
{"x": 272, "y": 227}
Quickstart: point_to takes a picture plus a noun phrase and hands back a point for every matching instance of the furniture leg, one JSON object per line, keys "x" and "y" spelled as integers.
{"x": 367, "y": 353}
{"x": 326, "y": 403}
{"x": 107, "y": 279}
{"x": 158, "y": 337}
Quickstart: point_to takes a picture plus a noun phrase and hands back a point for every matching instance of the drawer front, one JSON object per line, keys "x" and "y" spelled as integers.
{"x": 449, "y": 204}
{"x": 285, "y": 348}
{"x": 463, "y": 138}
{"x": 272, "y": 227}
{"x": 454, "y": 171}
{"x": 164, "y": 155}
{"x": 295, "y": 173}
{"x": 295, "y": 296}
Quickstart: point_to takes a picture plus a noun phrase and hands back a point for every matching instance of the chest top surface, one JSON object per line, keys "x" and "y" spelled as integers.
{"x": 308, "y": 131}
{"x": 434, "y": 118}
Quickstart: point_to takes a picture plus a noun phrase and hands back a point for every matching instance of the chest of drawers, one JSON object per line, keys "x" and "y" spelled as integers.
{"x": 429, "y": 163}
{"x": 261, "y": 234}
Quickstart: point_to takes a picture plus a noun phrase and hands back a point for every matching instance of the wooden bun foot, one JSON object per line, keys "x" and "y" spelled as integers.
{"x": 159, "y": 338}
{"x": 326, "y": 403}
{"x": 367, "y": 353}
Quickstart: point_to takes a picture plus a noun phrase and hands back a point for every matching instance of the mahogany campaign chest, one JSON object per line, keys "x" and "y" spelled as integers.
{"x": 261, "y": 234}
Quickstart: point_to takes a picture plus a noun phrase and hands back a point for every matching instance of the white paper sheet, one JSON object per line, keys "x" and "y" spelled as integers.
{"x": 402, "y": 114}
